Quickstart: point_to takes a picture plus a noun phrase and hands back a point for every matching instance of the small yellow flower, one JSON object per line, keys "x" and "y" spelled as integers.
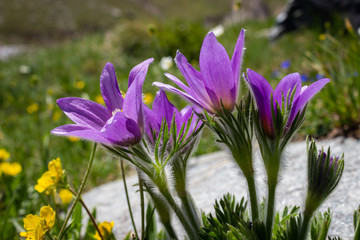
{"x": 33, "y": 225}
{"x": 37, "y": 226}
{"x": 11, "y": 169}
{"x": 4, "y": 155}
{"x": 48, "y": 214}
{"x": 105, "y": 230}
{"x": 80, "y": 84}
{"x": 99, "y": 99}
{"x": 48, "y": 181}
{"x": 66, "y": 196}
{"x": 56, "y": 116}
{"x": 148, "y": 98}
{"x": 73, "y": 139}
{"x": 32, "y": 108}
{"x": 322, "y": 37}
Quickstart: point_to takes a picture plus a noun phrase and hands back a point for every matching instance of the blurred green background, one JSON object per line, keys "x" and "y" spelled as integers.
{"x": 54, "y": 49}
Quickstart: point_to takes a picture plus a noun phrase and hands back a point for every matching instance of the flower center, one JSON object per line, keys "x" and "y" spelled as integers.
{"x": 115, "y": 111}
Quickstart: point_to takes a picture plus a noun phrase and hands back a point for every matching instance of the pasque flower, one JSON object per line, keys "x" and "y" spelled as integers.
{"x": 217, "y": 82}
{"x": 162, "y": 109}
{"x": 120, "y": 123}
{"x": 289, "y": 95}
{"x": 324, "y": 173}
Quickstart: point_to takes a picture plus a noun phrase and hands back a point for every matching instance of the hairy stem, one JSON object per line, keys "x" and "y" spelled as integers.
{"x": 253, "y": 197}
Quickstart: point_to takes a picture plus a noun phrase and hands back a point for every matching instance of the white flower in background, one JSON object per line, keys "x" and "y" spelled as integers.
{"x": 218, "y": 30}
{"x": 24, "y": 69}
{"x": 166, "y": 63}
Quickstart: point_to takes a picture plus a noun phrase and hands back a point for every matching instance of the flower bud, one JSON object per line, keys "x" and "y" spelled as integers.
{"x": 324, "y": 174}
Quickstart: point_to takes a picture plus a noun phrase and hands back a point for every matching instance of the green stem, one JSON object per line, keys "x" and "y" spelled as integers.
{"x": 88, "y": 213}
{"x": 142, "y": 205}
{"x": 82, "y": 185}
{"x": 305, "y": 224}
{"x": 163, "y": 211}
{"x": 253, "y": 197}
{"x": 357, "y": 230}
{"x": 190, "y": 209}
{"x": 270, "y": 210}
{"x": 128, "y": 199}
{"x": 192, "y": 234}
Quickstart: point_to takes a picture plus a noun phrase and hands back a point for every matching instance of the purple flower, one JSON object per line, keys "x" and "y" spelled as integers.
{"x": 120, "y": 122}
{"x": 162, "y": 108}
{"x": 319, "y": 76}
{"x": 304, "y": 78}
{"x": 285, "y": 64}
{"x": 218, "y": 80}
{"x": 262, "y": 93}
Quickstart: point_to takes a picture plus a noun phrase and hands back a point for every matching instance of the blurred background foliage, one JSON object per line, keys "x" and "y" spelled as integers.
{"x": 62, "y": 47}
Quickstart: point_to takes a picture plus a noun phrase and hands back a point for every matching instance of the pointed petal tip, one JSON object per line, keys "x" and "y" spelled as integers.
{"x": 210, "y": 34}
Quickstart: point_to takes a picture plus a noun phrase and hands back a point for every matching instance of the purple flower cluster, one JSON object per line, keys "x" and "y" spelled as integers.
{"x": 123, "y": 120}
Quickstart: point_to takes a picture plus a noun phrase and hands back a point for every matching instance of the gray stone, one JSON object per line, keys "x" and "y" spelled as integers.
{"x": 210, "y": 176}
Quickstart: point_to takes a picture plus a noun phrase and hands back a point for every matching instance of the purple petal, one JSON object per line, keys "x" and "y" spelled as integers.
{"x": 237, "y": 58}
{"x": 120, "y": 130}
{"x": 84, "y": 132}
{"x": 304, "y": 97}
{"x": 138, "y": 68}
{"x": 163, "y": 108}
{"x": 172, "y": 89}
{"x": 133, "y": 104}
{"x": 262, "y": 91}
{"x": 178, "y": 82}
{"x": 194, "y": 79}
{"x": 84, "y": 112}
{"x": 286, "y": 86}
{"x": 216, "y": 70}
{"x": 151, "y": 122}
{"x": 110, "y": 89}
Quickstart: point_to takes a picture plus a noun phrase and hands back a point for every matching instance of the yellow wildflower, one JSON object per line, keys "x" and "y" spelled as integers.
{"x": 73, "y": 139}
{"x": 4, "y": 155}
{"x": 105, "y": 230}
{"x": 99, "y": 99}
{"x": 37, "y": 226}
{"x": 66, "y": 196}
{"x": 56, "y": 116}
{"x": 11, "y": 169}
{"x": 48, "y": 181}
{"x": 322, "y": 37}
{"x": 48, "y": 214}
{"x": 32, "y": 108}
{"x": 80, "y": 84}
{"x": 148, "y": 98}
